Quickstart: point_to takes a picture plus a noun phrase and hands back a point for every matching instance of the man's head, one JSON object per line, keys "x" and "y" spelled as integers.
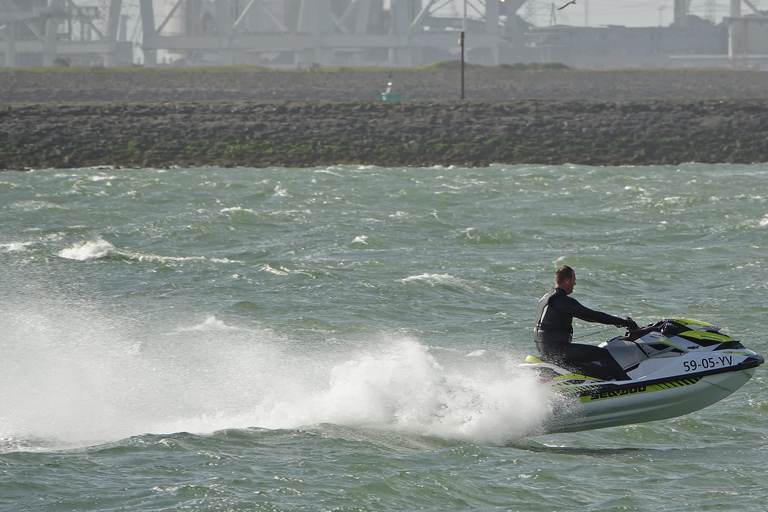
{"x": 565, "y": 278}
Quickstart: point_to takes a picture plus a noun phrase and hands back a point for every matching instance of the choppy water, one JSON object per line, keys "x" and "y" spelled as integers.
{"x": 347, "y": 338}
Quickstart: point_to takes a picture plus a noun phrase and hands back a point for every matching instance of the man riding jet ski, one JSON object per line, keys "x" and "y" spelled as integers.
{"x": 676, "y": 366}
{"x": 554, "y": 331}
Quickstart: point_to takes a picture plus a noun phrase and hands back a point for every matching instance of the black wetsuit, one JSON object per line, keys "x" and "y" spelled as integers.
{"x": 554, "y": 330}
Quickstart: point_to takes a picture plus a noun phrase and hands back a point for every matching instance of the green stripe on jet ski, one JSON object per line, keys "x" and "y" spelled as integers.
{"x": 705, "y": 335}
{"x": 633, "y": 389}
{"x": 674, "y": 384}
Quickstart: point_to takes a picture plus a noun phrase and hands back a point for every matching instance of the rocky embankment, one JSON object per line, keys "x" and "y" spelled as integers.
{"x": 255, "y": 118}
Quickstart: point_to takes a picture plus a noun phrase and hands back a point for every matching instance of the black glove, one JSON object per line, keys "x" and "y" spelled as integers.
{"x": 630, "y": 324}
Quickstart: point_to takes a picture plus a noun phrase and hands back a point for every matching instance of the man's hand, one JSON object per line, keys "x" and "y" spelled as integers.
{"x": 630, "y": 324}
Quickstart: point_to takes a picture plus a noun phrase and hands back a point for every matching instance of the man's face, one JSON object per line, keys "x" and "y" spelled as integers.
{"x": 568, "y": 284}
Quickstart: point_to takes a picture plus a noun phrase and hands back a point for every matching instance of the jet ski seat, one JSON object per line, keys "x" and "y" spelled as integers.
{"x": 593, "y": 369}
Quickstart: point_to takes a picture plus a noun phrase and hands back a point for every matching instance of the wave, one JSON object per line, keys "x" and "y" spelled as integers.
{"x": 442, "y": 280}
{"x": 210, "y": 324}
{"x": 432, "y": 279}
{"x": 87, "y": 251}
{"x": 16, "y": 246}
{"x": 154, "y": 258}
{"x": 238, "y": 209}
{"x": 98, "y": 249}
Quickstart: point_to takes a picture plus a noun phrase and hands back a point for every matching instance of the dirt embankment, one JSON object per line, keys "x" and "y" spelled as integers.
{"x": 481, "y": 83}
{"x": 219, "y": 117}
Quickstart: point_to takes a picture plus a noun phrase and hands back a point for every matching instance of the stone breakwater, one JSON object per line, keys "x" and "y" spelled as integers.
{"x": 253, "y": 117}
{"x": 408, "y": 133}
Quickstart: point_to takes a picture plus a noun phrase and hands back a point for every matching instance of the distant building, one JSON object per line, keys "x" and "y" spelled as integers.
{"x": 618, "y": 47}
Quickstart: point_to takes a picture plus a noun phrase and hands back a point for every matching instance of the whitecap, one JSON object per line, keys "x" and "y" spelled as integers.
{"x": 87, "y": 251}
{"x": 360, "y": 239}
{"x": 156, "y": 258}
{"x": 272, "y": 270}
{"x": 16, "y": 246}
{"x": 433, "y": 279}
{"x": 237, "y": 209}
{"x": 210, "y": 324}
{"x": 764, "y": 221}
{"x": 31, "y": 206}
{"x": 328, "y": 171}
{"x": 223, "y": 260}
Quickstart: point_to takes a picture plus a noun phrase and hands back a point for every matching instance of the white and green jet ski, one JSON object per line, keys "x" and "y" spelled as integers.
{"x": 676, "y": 366}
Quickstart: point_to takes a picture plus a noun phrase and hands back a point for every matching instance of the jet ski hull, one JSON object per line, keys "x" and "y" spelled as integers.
{"x": 639, "y": 402}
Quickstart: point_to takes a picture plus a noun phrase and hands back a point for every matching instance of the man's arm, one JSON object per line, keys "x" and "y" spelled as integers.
{"x": 574, "y": 308}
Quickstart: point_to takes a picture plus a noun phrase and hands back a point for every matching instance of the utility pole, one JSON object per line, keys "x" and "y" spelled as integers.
{"x": 586, "y": 13}
{"x": 461, "y": 42}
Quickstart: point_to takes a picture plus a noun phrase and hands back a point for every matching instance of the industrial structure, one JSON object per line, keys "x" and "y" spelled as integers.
{"x": 392, "y": 33}
{"x": 316, "y": 32}
{"x": 50, "y": 32}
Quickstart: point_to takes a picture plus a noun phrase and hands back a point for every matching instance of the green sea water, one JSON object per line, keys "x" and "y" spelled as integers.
{"x": 348, "y": 338}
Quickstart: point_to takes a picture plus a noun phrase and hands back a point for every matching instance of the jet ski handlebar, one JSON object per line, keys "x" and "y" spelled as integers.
{"x": 642, "y": 331}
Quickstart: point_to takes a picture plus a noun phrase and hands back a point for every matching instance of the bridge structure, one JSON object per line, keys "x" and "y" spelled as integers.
{"x": 323, "y": 32}
{"x": 269, "y": 32}
{"x": 49, "y": 32}
{"x": 297, "y": 33}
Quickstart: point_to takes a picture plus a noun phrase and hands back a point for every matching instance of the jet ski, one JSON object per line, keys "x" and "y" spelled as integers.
{"x": 676, "y": 366}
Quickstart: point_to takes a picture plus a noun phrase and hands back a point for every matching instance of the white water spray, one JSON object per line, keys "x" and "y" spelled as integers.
{"x": 72, "y": 375}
